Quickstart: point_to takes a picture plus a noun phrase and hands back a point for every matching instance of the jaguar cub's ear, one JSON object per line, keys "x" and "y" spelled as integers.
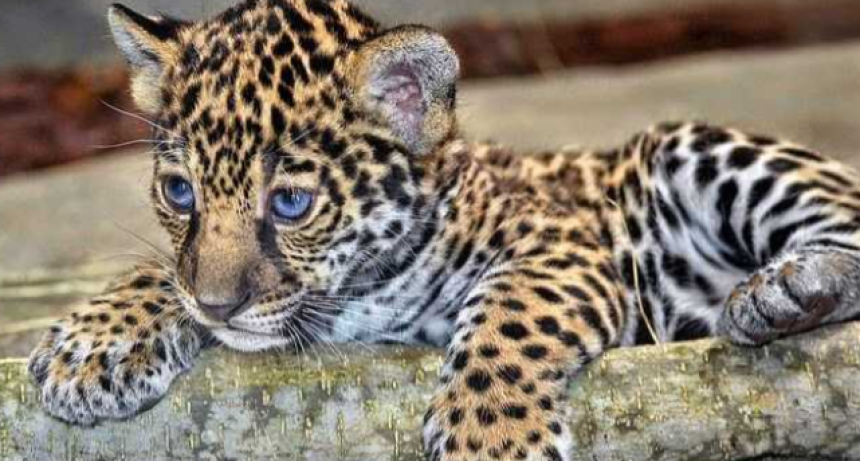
{"x": 408, "y": 77}
{"x": 148, "y": 44}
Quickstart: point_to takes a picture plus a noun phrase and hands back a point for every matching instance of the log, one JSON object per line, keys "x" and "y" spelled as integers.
{"x": 704, "y": 400}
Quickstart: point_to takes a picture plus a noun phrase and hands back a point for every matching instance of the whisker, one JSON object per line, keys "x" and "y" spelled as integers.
{"x": 139, "y": 118}
{"x": 152, "y": 246}
{"x": 320, "y": 335}
{"x": 341, "y": 333}
{"x": 126, "y": 144}
{"x": 305, "y": 340}
{"x": 300, "y": 136}
{"x": 356, "y": 323}
{"x": 380, "y": 330}
{"x": 335, "y": 301}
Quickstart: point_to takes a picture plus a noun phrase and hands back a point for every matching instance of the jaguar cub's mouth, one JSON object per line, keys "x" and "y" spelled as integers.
{"x": 239, "y": 330}
{"x": 257, "y": 327}
{"x": 249, "y": 341}
{"x": 288, "y": 323}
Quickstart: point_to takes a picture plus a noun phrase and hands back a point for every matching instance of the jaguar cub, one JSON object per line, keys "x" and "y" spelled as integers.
{"x": 311, "y": 174}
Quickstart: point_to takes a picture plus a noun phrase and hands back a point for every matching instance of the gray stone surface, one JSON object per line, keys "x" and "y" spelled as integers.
{"x": 810, "y": 95}
{"x": 92, "y": 211}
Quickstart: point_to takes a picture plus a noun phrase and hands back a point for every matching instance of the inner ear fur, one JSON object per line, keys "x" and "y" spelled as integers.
{"x": 407, "y": 77}
{"x": 149, "y": 44}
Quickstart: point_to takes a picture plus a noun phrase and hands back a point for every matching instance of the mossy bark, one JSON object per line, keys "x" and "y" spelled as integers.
{"x": 702, "y": 400}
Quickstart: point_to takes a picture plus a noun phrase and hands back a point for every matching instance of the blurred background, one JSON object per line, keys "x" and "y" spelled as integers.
{"x": 537, "y": 73}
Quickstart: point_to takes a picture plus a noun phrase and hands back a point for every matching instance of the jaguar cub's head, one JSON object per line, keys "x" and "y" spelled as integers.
{"x": 297, "y": 146}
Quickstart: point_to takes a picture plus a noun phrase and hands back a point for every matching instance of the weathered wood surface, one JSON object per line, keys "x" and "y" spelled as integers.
{"x": 702, "y": 400}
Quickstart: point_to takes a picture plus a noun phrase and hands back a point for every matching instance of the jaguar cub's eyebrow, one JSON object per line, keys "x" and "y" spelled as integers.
{"x": 175, "y": 156}
{"x": 289, "y": 163}
{"x": 278, "y": 161}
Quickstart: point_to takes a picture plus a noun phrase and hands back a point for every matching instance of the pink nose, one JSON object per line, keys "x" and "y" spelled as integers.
{"x": 224, "y": 311}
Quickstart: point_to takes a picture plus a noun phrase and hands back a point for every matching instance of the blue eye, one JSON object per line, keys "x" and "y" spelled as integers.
{"x": 291, "y": 204}
{"x": 179, "y": 194}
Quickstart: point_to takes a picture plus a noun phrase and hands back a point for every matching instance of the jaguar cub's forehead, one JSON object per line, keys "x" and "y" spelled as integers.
{"x": 259, "y": 75}
{"x": 306, "y": 35}
{"x": 267, "y": 36}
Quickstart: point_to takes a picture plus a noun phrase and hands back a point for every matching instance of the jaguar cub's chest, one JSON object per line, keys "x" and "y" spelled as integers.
{"x": 419, "y": 306}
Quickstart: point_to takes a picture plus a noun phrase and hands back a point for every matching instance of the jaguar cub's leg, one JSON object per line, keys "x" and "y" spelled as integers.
{"x": 783, "y": 219}
{"x": 528, "y": 327}
{"x": 117, "y": 355}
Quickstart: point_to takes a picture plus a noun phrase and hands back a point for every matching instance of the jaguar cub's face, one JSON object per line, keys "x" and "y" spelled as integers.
{"x": 296, "y": 143}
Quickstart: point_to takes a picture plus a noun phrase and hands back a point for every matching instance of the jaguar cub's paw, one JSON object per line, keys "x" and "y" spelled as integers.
{"x": 87, "y": 372}
{"x": 794, "y": 294}
{"x": 495, "y": 429}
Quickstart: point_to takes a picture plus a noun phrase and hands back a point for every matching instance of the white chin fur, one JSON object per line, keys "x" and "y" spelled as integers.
{"x": 248, "y": 342}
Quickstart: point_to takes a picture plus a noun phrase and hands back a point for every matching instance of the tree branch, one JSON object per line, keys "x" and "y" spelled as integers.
{"x": 702, "y": 400}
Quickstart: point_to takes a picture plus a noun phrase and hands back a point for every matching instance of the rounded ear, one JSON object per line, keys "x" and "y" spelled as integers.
{"x": 407, "y": 77}
{"x": 148, "y": 44}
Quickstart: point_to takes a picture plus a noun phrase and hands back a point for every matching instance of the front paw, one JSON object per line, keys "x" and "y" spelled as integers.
{"x": 86, "y": 379}
{"x": 500, "y": 426}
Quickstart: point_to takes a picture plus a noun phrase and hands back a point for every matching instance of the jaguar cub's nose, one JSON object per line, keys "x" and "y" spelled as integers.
{"x": 224, "y": 311}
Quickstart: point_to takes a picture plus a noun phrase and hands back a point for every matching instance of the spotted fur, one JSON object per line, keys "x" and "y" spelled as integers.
{"x": 524, "y": 266}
